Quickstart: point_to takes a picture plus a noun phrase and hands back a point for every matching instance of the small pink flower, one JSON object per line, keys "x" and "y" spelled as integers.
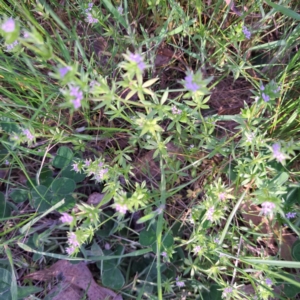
{"x": 66, "y": 218}
{"x": 267, "y": 208}
{"x": 70, "y": 250}
{"x": 222, "y": 196}
{"x": 9, "y": 25}
{"x": 164, "y": 254}
{"x": 76, "y": 168}
{"x": 63, "y": 71}
{"x": 28, "y": 134}
{"x": 197, "y": 249}
{"x": 72, "y": 240}
{"x": 121, "y": 208}
{"x": 209, "y": 214}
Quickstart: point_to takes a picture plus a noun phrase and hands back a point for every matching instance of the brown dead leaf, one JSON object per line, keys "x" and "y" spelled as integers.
{"x": 286, "y": 240}
{"x": 78, "y": 277}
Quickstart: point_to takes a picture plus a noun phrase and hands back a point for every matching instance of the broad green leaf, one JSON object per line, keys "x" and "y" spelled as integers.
{"x": 69, "y": 202}
{"x": 113, "y": 278}
{"x": 5, "y": 209}
{"x": 147, "y": 237}
{"x": 63, "y": 186}
{"x": 68, "y": 172}
{"x": 19, "y": 195}
{"x": 5, "y": 281}
{"x": 41, "y": 197}
{"x": 63, "y": 158}
{"x": 296, "y": 250}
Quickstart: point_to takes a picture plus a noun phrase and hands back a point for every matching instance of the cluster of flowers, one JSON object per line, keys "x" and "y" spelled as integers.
{"x": 138, "y": 59}
{"x": 24, "y": 136}
{"x": 269, "y": 91}
{"x": 11, "y": 46}
{"x": 176, "y": 111}
{"x": 246, "y": 32}
{"x": 9, "y": 25}
{"x": 73, "y": 243}
{"x": 95, "y": 168}
{"x": 190, "y": 85}
{"x": 89, "y": 18}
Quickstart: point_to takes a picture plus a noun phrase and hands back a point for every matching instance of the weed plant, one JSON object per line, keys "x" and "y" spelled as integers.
{"x": 195, "y": 200}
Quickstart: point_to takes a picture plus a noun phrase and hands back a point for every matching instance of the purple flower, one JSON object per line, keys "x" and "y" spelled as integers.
{"x": 94, "y": 83}
{"x": 179, "y": 283}
{"x": 277, "y": 153}
{"x": 222, "y": 196}
{"x": 164, "y": 254}
{"x": 90, "y": 19}
{"x": 63, "y": 71}
{"x": 66, "y": 218}
{"x": 6, "y": 162}
{"x": 246, "y": 32}
{"x": 189, "y": 84}
{"x": 267, "y": 208}
{"x": 291, "y": 215}
{"x": 138, "y": 59}
{"x": 120, "y": 9}
{"x": 269, "y": 281}
{"x": 209, "y": 214}
{"x": 11, "y": 46}
{"x": 216, "y": 240}
{"x": 226, "y": 291}
{"x": 77, "y": 94}
{"x": 262, "y": 88}
{"x": 75, "y": 167}
{"x": 9, "y": 25}
{"x": 121, "y": 208}
{"x": 76, "y": 103}
{"x": 265, "y": 97}
{"x": 70, "y": 250}
{"x": 197, "y": 249}
{"x": 72, "y": 240}
{"x": 107, "y": 246}
{"x": 176, "y": 111}
{"x": 100, "y": 175}
{"x": 28, "y": 134}
{"x": 26, "y": 35}
{"x": 87, "y": 162}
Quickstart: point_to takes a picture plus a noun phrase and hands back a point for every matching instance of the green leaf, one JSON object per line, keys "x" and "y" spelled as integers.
{"x": 63, "y": 158}
{"x": 24, "y": 291}
{"x": 296, "y": 250}
{"x": 68, "y": 172}
{"x": 147, "y": 237}
{"x": 5, "y": 281}
{"x": 46, "y": 177}
{"x": 69, "y": 203}
{"x": 41, "y": 197}
{"x": 9, "y": 126}
{"x": 285, "y": 11}
{"x": 293, "y": 195}
{"x": 281, "y": 178}
{"x": 214, "y": 293}
{"x": 168, "y": 240}
{"x": 112, "y": 277}
{"x": 63, "y": 186}
{"x": 5, "y": 209}
{"x": 19, "y": 195}
{"x": 146, "y": 218}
